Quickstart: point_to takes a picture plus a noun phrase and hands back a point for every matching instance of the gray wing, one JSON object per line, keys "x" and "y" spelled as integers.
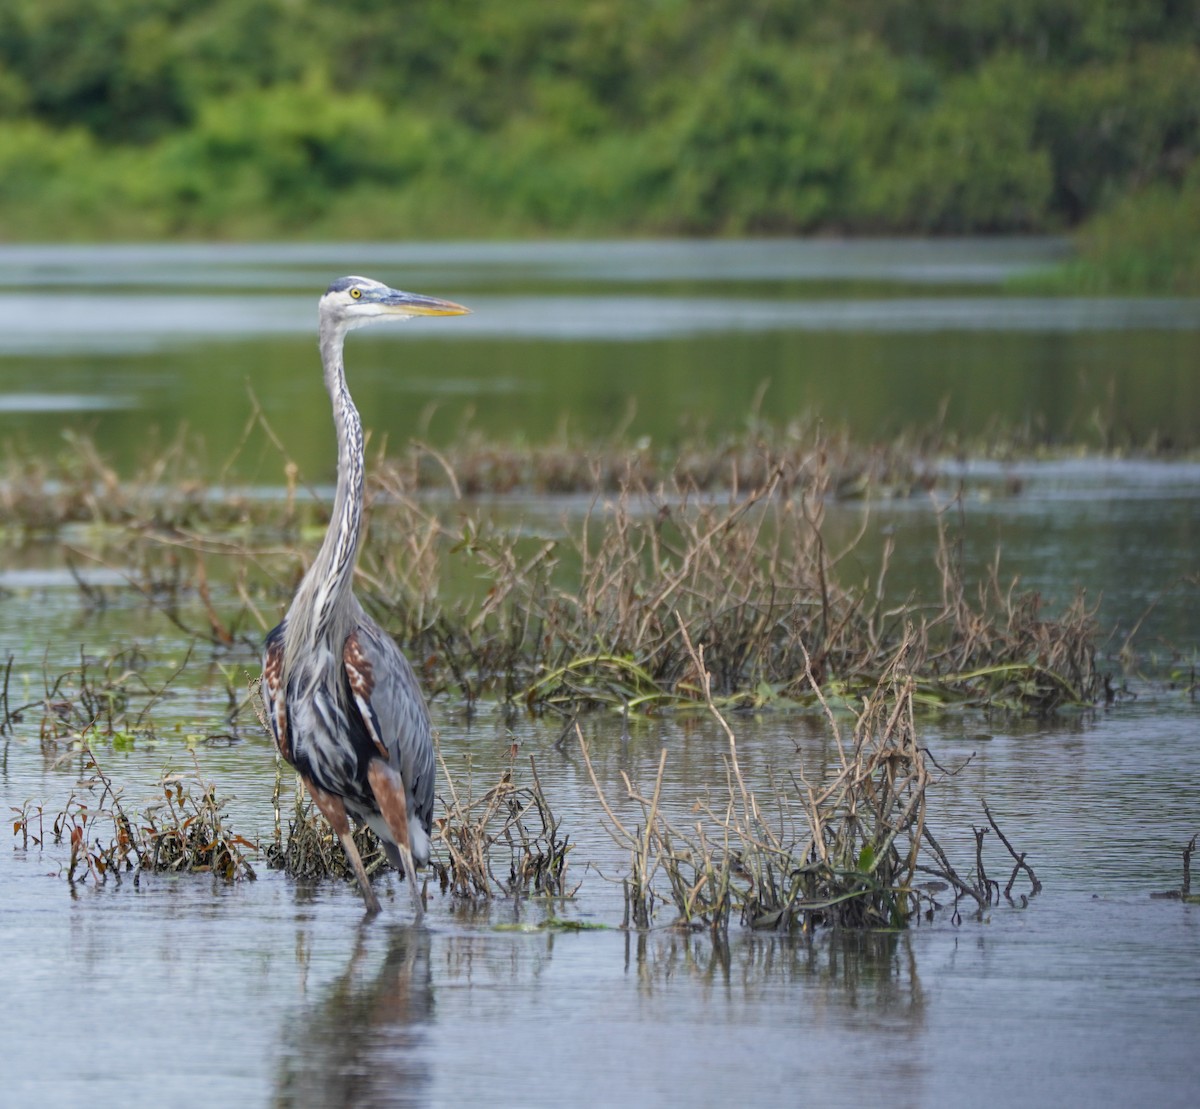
{"x": 393, "y": 709}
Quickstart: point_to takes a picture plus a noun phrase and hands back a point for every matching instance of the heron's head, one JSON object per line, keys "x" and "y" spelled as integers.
{"x": 356, "y": 301}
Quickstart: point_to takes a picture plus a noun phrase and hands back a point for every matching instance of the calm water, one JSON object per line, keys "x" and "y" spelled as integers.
{"x": 273, "y": 993}
{"x": 656, "y": 337}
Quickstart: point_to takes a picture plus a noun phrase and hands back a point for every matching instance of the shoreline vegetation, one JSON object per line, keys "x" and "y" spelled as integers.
{"x": 704, "y": 589}
{"x": 253, "y": 119}
{"x": 722, "y": 545}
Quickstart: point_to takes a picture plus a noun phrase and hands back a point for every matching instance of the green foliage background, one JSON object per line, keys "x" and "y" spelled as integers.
{"x": 238, "y": 118}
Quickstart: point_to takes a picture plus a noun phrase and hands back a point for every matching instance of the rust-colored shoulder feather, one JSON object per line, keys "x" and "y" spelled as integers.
{"x": 274, "y": 694}
{"x": 361, "y": 675}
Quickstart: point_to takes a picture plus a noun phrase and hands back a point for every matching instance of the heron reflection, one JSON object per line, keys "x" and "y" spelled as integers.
{"x": 364, "y": 1042}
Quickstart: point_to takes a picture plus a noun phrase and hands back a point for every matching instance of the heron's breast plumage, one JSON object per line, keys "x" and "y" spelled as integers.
{"x": 336, "y": 711}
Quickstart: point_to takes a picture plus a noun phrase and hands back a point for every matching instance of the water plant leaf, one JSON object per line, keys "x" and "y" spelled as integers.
{"x": 552, "y": 924}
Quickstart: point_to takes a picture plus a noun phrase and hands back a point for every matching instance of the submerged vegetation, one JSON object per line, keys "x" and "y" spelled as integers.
{"x": 253, "y": 118}
{"x": 185, "y": 830}
{"x": 703, "y": 584}
{"x": 843, "y": 848}
{"x": 595, "y": 609}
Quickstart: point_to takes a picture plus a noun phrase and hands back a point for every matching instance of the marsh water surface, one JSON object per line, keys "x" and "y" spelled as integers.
{"x": 644, "y": 337}
{"x": 186, "y": 991}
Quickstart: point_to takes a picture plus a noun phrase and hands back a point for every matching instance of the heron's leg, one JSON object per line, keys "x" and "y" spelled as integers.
{"x": 388, "y": 788}
{"x": 335, "y": 812}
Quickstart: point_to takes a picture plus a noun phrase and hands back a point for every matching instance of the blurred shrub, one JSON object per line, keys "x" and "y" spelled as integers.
{"x": 466, "y": 117}
{"x": 1119, "y": 126}
{"x": 969, "y": 161}
{"x": 1147, "y": 241}
{"x": 284, "y": 151}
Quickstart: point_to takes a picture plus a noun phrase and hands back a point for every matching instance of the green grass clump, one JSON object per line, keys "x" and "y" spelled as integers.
{"x": 1148, "y": 242}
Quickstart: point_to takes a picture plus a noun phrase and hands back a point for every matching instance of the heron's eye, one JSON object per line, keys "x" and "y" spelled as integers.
{"x": 356, "y": 294}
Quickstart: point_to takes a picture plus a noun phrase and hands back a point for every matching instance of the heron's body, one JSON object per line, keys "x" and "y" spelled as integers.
{"x": 357, "y": 704}
{"x": 343, "y": 703}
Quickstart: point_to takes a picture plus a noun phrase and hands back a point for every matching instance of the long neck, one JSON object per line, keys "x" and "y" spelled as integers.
{"x": 324, "y": 609}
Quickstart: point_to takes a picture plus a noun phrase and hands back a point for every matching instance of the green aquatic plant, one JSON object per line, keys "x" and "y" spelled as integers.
{"x": 841, "y": 849}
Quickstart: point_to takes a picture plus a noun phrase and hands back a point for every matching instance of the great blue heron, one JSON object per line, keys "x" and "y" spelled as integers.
{"x": 342, "y": 700}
